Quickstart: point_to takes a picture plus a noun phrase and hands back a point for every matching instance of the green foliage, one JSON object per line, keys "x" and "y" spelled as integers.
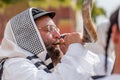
{"x": 79, "y": 4}
{"x": 10, "y": 1}
{"x": 50, "y": 3}
{"x": 37, "y": 3}
{"x": 96, "y": 11}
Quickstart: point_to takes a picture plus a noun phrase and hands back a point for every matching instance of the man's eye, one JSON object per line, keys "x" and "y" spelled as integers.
{"x": 51, "y": 29}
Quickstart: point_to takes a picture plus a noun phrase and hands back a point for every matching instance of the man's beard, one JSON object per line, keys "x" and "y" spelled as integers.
{"x": 54, "y": 53}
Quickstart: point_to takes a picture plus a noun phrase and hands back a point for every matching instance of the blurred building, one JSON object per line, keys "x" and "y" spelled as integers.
{"x": 64, "y": 19}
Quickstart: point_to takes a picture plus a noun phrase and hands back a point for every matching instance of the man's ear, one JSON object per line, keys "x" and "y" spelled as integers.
{"x": 115, "y": 34}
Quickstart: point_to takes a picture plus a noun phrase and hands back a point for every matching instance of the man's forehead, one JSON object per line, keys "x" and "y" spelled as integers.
{"x": 45, "y": 20}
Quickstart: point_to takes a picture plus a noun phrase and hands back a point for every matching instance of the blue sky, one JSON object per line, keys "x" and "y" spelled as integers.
{"x": 109, "y": 6}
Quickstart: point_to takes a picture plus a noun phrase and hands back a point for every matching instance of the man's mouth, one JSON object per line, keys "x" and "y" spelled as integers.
{"x": 58, "y": 43}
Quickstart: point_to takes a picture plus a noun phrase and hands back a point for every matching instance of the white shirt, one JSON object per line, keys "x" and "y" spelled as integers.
{"x": 77, "y": 64}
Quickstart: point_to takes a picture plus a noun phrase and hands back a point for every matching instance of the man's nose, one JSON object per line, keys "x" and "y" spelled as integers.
{"x": 56, "y": 34}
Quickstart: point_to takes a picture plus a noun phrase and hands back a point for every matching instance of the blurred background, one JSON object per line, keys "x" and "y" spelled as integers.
{"x": 68, "y": 12}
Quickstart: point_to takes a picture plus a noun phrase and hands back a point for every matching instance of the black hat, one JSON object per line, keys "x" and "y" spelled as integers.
{"x": 39, "y": 12}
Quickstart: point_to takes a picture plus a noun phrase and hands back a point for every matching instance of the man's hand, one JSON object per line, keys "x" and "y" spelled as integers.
{"x": 70, "y": 38}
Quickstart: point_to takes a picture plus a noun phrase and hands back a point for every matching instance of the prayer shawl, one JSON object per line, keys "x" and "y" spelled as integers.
{"x": 22, "y": 39}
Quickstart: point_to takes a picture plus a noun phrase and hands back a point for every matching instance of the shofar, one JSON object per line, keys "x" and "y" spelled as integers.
{"x": 89, "y": 32}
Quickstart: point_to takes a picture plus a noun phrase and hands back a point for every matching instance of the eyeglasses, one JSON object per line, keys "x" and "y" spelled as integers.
{"x": 50, "y": 28}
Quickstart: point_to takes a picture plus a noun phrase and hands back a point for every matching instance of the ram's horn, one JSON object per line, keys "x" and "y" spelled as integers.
{"x": 89, "y": 32}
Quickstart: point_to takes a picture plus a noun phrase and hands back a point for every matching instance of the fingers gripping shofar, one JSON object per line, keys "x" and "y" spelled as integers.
{"x": 89, "y": 32}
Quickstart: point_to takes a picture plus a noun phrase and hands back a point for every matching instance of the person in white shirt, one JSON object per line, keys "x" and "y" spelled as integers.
{"x": 99, "y": 46}
{"x": 29, "y": 51}
{"x": 114, "y": 34}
